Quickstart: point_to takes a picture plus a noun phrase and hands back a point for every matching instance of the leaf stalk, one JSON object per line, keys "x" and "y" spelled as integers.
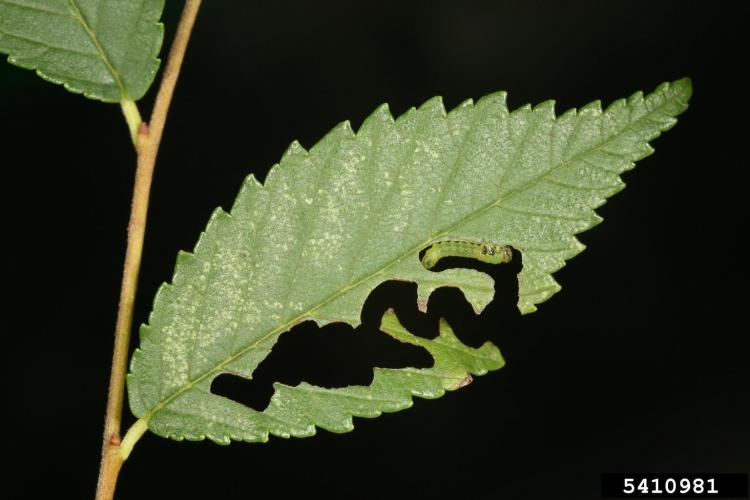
{"x": 147, "y": 139}
{"x": 132, "y": 117}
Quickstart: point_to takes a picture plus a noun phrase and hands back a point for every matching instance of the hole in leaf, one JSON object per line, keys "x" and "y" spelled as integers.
{"x": 339, "y": 356}
{"x": 500, "y": 316}
{"x": 333, "y": 356}
{"x": 401, "y": 296}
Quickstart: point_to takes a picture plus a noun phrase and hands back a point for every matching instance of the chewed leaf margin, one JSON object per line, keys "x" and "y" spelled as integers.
{"x": 296, "y": 411}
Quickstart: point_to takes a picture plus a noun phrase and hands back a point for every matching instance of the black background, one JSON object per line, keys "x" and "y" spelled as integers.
{"x": 639, "y": 364}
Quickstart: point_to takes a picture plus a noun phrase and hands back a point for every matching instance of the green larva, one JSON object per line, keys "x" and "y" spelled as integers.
{"x": 492, "y": 253}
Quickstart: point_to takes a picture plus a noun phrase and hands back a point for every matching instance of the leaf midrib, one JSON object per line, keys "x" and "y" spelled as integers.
{"x": 307, "y": 314}
{"x": 77, "y": 15}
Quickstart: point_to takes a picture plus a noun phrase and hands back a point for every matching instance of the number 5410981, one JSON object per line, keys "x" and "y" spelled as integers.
{"x": 656, "y": 486}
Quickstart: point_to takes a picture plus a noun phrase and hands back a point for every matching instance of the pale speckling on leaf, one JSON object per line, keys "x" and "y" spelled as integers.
{"x": 330, "y": 224}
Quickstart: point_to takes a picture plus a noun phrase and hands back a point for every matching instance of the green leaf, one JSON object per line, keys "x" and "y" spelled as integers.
{"x": 331, "y": 224}
{"x": 105, "y": 49}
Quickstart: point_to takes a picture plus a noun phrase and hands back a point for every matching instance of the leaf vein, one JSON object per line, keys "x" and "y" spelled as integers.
{"x": 78, "y": 15}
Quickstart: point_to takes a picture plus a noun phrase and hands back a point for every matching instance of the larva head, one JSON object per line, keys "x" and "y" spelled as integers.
{"x": 498, "y": 254}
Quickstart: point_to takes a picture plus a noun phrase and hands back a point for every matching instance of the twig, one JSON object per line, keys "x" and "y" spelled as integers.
{"x": 147, "y": 147}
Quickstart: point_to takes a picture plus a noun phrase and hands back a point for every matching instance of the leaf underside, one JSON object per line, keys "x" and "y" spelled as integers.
{"x": 104, "y": 49}
{"x": 331, "y": 224}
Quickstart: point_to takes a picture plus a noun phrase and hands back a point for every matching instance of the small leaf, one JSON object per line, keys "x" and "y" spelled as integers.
{"x": 331, "y": 224}
{"x": 105, "y": 49}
